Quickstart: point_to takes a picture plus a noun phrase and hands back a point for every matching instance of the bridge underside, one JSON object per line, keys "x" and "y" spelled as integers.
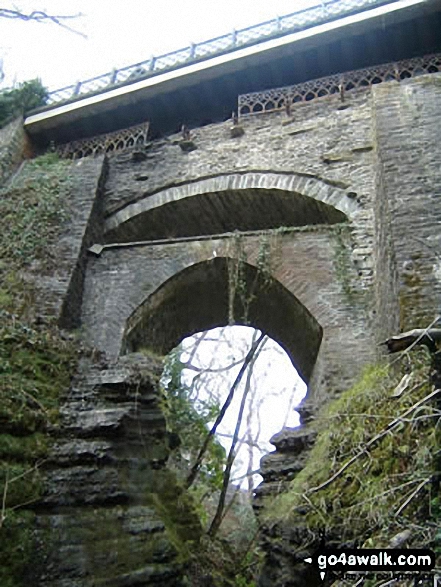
{"x": 209, "y": 95}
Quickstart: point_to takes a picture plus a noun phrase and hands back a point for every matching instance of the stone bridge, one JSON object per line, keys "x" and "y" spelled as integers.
{"x": 330, "y": 206}
{"x": 340, "y": 204}
{"x": 173, "y": 220}
{"x": 310, "y": 188}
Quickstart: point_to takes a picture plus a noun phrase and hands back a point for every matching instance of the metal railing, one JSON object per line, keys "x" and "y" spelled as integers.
{"x": 324, "y": 11}
{"x": 276, "y": 99}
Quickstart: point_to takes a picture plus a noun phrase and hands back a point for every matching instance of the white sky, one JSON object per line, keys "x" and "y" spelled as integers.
{"x": 119, "y": 33}
{"x": 276, "y": 388}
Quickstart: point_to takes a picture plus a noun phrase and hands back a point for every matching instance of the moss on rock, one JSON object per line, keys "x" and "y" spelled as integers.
{"x": 371, "y": 470}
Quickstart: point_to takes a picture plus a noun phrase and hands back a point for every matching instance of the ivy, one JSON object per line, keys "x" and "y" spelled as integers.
{"x": 242, "y": 291}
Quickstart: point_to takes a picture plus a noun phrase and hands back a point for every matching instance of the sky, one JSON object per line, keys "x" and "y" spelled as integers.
{"x": 118, "y": 33}
{"x": 276, "y": 389}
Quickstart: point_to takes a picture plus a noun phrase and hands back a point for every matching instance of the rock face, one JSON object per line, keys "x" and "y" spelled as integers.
{"x": 112, "y": 514}
{"x": 283, "y": 545}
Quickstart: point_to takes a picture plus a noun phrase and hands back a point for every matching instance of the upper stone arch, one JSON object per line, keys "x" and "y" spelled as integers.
{"x": 247, "y": 201}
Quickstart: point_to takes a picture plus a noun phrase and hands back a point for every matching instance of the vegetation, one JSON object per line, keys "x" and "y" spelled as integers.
{"x": 32, "y": 210}
{"x": 344, "y": 267}
{"x": 241, "y": 292}
{"x": 189, "y": 422}
{"x": 367, "y": 486}
{"x": 223, "y": 561}
{"x": 36, "y": 362}
{"x": 372, "y": 473}
{"x": 18, "y": 101}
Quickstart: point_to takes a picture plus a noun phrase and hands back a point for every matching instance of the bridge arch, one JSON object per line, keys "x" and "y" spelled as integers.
{"x": 247, "y": 201}
{"x": 198, "y": 298}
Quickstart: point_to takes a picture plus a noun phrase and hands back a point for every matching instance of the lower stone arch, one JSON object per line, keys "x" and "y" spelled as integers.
{"x": 198, "y": 298}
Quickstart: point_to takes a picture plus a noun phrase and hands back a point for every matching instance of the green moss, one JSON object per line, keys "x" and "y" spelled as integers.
{"x": 36, "y": 362}
{"x": 32, "y": 208}
{"x": 413, "y": 305}
{"x": 103, "y": 535}
{"x": 178, "y": 512}
{"x": 23, "y": 448}
{"x": 344, "y": 268}
{"x": 37, "y": 365}
{"x": 17, "y": 544}
{"x": 363, "y": 502}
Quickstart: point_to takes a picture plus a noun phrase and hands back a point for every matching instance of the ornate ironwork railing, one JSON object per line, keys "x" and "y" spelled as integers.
{"x": 323, "y": 11}
{"x": 106, "y": 143}
{"x": 279, "y": 98}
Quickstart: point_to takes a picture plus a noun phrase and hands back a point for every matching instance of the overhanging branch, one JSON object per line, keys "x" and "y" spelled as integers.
{"x": 40, "y": 16}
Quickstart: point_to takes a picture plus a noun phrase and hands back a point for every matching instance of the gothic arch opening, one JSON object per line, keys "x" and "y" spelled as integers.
{"x": 199, "y": 298}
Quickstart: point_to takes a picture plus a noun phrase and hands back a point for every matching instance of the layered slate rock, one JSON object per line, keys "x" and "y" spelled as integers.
{"x": 283, "y": 544}
{"x": 292, "y": 449}
{"x": 112, "y": 514}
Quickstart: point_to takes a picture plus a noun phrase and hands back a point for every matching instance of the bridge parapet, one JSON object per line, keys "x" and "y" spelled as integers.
{"x": 273, "y": 100}
{"x": 279, "y": 98}
{"x": 134, "y": 136}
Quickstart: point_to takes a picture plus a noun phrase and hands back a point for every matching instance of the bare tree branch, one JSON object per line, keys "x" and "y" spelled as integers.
{"x": 203, "y": 370}
{"x": 412, "y": 495}
{"x": 373, "y": 441}
{"x": 194, "y": 470}
{"x": 427, "y": 336}
{"x": 40, "y": 16}
{"x": 214, "y": 527}
{"x": 8, "y": 481}
{"x": 245, "y": 475}
{"x": 244, "y": 440}
{"x": 197, "y": 338}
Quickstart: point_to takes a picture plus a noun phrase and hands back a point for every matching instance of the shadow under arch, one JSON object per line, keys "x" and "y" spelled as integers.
{"x": 197, "y": 299}
{"x": 225, "y": 203}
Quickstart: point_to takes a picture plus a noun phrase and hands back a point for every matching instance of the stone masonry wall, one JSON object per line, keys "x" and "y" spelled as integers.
{"x": 315, "y": 266}
{"x": 85, "y": 228}
{"x": 326, "y": 140}
{"x": 14, "y": 146}
{"x": 406, "y": 124}
{"x": 408, "y": 130}
{"x": 60, "y": 292}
